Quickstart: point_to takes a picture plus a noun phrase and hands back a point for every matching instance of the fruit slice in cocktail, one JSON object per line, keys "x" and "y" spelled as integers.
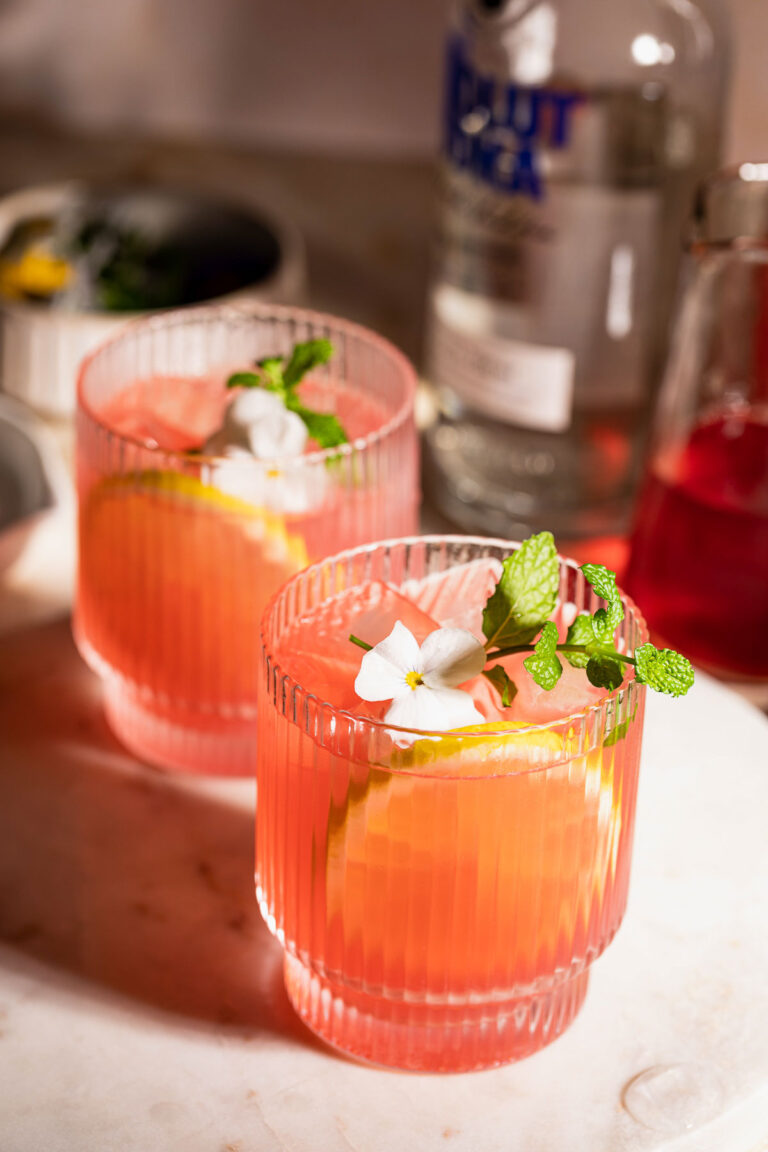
{"x": 440, "y": 895}
{"x": 186, "y": 529}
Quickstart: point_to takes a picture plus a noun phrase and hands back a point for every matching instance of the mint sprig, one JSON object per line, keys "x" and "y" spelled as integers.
{"x": 591, "y": 638}
{"x": 281, "y": 375}
{"x": 518, "y": 611}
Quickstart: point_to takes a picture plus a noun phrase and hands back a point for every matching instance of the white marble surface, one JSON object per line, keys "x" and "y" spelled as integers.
{"x": 141, "y": 999}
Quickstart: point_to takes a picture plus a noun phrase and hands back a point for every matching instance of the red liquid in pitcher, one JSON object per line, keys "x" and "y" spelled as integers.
{"x": 699, "y": 563}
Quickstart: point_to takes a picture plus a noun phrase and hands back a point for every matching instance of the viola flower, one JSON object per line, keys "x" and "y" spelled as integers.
{"x": 422, "y": 681}
{"x": 277, "y": 435}
{"x": 269, "y": 421}
{"x": 258, "y": 422}
{"x": 265, "y": 443}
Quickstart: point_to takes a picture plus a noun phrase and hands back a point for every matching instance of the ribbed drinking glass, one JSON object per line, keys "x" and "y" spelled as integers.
{"x": 440, "y": 898}
{"x": 175, "y": 570}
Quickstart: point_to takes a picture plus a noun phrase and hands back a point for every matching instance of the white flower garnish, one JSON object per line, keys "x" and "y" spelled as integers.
{"x": 422, "y": 681}
{"x": 258, "y": 427}
{"x": 277, "y": 434}
{"x": 249, "y": 405}
{"x": 258, "y": 421}
{"x": 289, "y": 489}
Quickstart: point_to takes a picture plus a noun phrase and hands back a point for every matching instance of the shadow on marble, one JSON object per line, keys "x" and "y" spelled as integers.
{"x": 134, "y": 880}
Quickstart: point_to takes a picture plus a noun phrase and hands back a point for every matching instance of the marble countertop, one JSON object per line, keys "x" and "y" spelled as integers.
{"x": 141, "y": 997}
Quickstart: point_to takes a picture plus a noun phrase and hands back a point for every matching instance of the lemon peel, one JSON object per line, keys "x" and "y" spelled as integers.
{"x": 510, "y": 746}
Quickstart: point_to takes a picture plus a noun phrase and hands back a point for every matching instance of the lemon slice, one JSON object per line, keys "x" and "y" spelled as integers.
{"x": 461, "y": 752}
{"x": 484, "y": 852}
{"x": 381, "y": 807}
{"x": 174, "y": 577}
{"x": 182, "y": 490}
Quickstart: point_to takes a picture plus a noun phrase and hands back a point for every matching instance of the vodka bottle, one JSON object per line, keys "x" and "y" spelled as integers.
{"x": 574, "y": 134}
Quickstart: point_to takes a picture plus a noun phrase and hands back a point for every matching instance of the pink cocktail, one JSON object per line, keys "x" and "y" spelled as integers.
{"x": 181, "y": 547}
{"x": 440, "y": 895}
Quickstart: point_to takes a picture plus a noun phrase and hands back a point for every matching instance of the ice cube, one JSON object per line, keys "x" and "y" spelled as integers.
{"x": 316, "y": 650}
{"x": 532, "y": 704}
{"x": 536, "y": 705}
{"x": 175, "y": 412}
{"x": 456, "y": 598}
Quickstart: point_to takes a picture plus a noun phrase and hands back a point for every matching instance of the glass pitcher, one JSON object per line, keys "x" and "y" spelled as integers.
{"x": 698, "y": 564}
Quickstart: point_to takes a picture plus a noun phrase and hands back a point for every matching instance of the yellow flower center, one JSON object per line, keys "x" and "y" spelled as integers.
{"x": 413, "y": 679}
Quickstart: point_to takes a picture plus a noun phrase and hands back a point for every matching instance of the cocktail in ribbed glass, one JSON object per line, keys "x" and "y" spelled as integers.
{"x": 181, "y": 547}
{"x": 440, "y": 896}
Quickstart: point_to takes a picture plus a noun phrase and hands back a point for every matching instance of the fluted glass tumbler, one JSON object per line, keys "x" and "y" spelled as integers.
{"x": 440, "y": 898}
{"x": 179, "y": 551}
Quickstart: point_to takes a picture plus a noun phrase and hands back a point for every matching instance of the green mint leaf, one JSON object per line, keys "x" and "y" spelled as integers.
{"x": 525, "y": 595}
{"x": 506, "y": 688}
{"x": 603, "y": 626}
{"x": 580, "y": 632}
{"x": 304, "y": 358}
{"x": 272, "y": 369}
{"x": 603, "y": 580}
{"x": 323, "y": 427}
{"x": 244, "y": 380}
{"x": 544, "y": 664}
{"x": 615, "y": 616}
{"x": 663, "y": 670}
{"x": 596, "y": 635}
{"x": 619, "y": 731}
{"x": 604, "y": 672}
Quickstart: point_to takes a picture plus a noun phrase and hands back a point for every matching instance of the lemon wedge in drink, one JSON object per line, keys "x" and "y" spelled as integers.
{"x": 391, "y": 803}
{"x": 156, "y": 498}
{"x": 509, "y": 746}
{"x": 174, "y": 576}
{"x": 493, "y": 843}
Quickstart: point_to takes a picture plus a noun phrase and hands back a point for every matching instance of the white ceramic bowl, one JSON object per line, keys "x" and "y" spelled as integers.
{"x": 41, "y": 346}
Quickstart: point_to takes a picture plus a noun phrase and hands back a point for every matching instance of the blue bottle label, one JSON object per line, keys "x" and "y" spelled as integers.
{"x": 498, "y": 131}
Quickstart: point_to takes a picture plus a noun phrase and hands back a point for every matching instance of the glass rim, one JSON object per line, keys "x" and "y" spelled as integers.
{"x": 255, "y": 310}
{"x": 581, "y": 715}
